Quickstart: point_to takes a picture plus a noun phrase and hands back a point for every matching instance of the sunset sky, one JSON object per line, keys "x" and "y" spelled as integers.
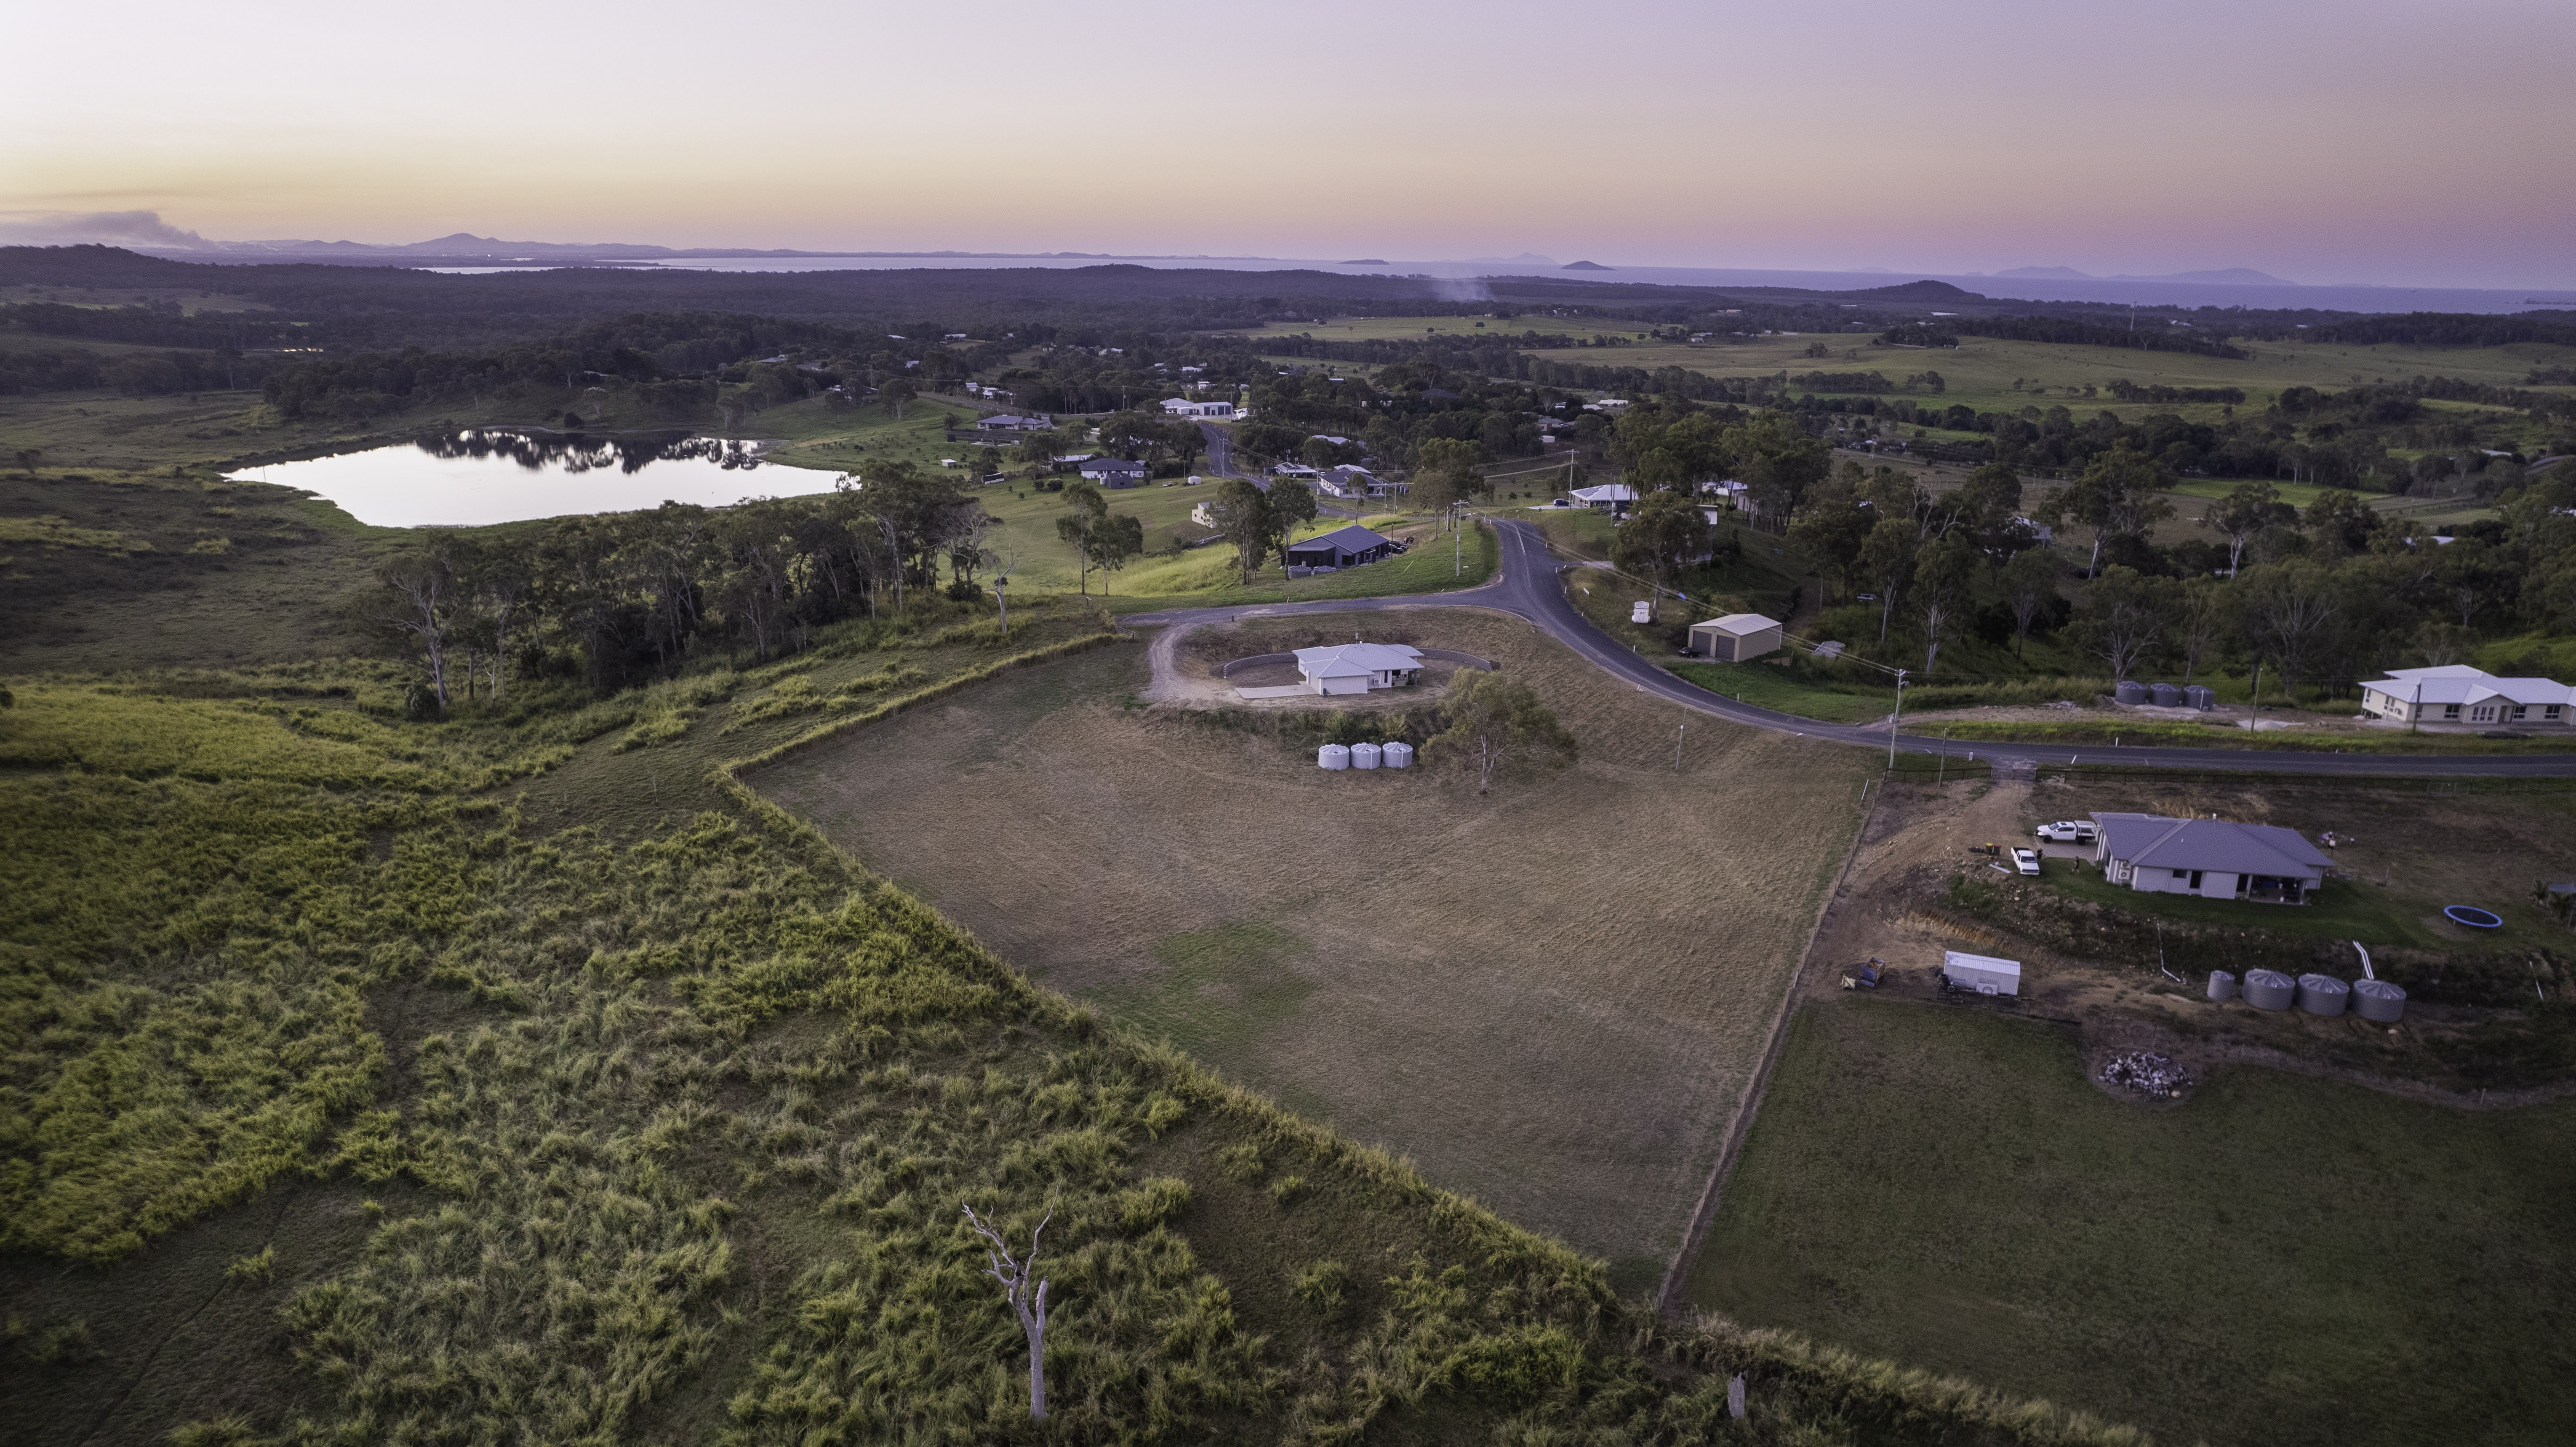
{"x": 2423, "y": 144}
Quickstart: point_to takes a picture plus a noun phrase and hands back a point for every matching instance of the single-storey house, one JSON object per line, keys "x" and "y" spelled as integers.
{"x": 1349, "y": 481}
{"x": 1293, "y": 469}
{"x": 2212, "y": 858}
{"x": 1011, "y": 422}
{"x": 2464, "y": 695}
{"x": 1735, "y": 637}
{"x": 1112, "y": 471}
{"x": 1341, "y": 548}
{"x": 1729, "y": 491}
{"x": 1614, "y": 497}
{"x": 1359, "y": 667}
{"x": 1182, "y": 407}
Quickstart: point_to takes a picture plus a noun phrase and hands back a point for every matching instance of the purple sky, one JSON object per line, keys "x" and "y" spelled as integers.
{"x": 2357, "y": 141}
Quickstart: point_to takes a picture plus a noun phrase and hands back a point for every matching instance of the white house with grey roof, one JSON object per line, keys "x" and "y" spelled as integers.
{"x": 1359, "y": 667}
{"x": 2460, "y": 694}
{"x": 2212, "y": 858}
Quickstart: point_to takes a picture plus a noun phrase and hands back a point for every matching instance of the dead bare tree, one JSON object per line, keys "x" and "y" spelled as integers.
{"x": 1030, "y": 1307}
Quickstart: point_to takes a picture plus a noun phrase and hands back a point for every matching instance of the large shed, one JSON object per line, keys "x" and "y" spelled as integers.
{"x": 1735, "y": 637}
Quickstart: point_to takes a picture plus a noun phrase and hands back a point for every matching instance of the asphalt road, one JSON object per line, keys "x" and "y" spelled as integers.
{"x": 1527, "y": 587}
{"x": 1220, "y": 450}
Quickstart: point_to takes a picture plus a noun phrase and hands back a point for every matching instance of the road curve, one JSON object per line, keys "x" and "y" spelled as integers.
{"x": 1527, "y": 588}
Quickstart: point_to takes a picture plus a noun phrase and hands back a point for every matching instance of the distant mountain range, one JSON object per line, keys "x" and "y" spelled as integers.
{"x": 2231, "y": 276}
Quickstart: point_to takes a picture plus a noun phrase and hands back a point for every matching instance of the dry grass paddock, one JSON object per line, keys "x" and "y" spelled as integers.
{"x": 1550, "y": 997}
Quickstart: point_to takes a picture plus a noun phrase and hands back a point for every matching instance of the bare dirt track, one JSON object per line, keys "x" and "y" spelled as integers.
{"x": 1550, "y": 997}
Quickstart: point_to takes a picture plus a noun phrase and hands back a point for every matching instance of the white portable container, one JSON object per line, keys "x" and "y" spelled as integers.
{"x": 1333, "y": 756}
{"x": 1982, "y": 973}
{"x": 1398, "y": 755}
{"x": 1364, "y": 756}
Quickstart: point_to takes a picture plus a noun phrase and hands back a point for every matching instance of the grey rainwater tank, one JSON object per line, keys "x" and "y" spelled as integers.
{"x": 1333, "y": 756}
{"x": 2269, "y": 989}
{"x": 2167, "y": 695}
{"x": 2200, "y": 696}
{"x": 2222, "y": 987}
{"x": 2323, "y": 994}
{"x": 1364, "y": 756}
{"x": 2128, "y": 692}
{"x": 1397, "y": 755}
{"x": 2379, "y": 1000}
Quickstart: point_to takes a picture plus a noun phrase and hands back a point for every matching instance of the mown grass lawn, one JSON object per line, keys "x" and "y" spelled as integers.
{"x": 2280, "y": 1260}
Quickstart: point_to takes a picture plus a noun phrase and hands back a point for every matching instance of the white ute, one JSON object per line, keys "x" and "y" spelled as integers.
{"x": 2068, "y": 831}
{"x": 2026, "y": 860}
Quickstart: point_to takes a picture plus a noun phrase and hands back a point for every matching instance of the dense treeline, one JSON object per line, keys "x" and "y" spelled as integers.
{"x": 2161, "y": 337}
{"x": 2319, "y": 596}
{"x": 2453, "y": 329}
{"x": 625, "y": 598}
{"x": 136, "y": 374}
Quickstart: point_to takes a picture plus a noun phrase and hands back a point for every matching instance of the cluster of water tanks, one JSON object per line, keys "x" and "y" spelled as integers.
{"x": 1396, "y": 755}
{"x": 2165, "y": 695}
{"x": 2374, "y": 1000}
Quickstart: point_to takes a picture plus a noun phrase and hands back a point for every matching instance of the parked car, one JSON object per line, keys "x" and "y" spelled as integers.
{"x": 2068, "y": 831}
{"x": 2026, "y": 860}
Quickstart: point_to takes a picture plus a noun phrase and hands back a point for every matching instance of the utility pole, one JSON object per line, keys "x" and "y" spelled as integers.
{"x": 1892, "y": 717}
{"x": 1677, "y": 746}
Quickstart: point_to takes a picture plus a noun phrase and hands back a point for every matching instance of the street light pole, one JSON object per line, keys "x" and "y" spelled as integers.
{"x": 1893, "y": 717}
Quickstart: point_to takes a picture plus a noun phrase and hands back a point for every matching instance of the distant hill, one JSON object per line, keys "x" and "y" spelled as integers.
{"x": 1584, "y": 266}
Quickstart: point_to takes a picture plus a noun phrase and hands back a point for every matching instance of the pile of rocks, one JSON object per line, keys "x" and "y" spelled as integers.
{"x": 2145, "y": 1073}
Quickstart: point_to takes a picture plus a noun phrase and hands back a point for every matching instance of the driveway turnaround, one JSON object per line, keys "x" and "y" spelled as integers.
{"x": 1527, "y": 588}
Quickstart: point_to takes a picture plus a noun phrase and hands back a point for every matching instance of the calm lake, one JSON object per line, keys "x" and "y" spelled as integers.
{"x": 469, "y": 478}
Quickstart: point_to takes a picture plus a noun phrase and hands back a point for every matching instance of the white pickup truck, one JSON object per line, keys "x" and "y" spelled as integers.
{"x": 2068, "y": 831}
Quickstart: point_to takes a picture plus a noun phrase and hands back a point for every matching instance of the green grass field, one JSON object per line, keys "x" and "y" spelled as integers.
{"x": 1981, "y": 370}
{"x": 2279, "y": 1260}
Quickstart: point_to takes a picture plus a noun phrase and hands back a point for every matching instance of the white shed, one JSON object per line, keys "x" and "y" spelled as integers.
{"x": 1982, "y": 973}
{"x": 1735, "y": 637}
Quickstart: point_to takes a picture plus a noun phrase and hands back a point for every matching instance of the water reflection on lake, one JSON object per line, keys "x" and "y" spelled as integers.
{"x": 485, "y": 476}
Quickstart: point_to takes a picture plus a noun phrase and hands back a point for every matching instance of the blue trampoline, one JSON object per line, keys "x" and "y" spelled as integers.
{"x": 2472, "y": 916}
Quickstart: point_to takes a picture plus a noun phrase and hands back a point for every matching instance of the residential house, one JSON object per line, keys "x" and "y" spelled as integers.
{"x": 1112, "y": 472}
{"x": 2212, "y": 858}
{"x": 1354, "y": 482}
{"x": 1359, "y": 667}
{"x": 2463, "y": 695}
{"x": 1341, "y": 548}
{"x": 1183, "y": 407}
{"x": 1012, "y": 422}
{"x": 1614, "y": 498}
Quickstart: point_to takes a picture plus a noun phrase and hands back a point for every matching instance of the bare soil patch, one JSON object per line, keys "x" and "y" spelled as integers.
{"x": 1550, "y": 997}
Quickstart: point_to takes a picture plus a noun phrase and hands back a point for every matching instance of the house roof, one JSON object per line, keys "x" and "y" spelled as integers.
{"x": 1343, "y": 660}
{"x": 1352, "y": 539}
{"x": 1606, "y": 492}
{"x": 1007, "y": 419}
{"x": 2154, "y": 841}
{"x": 1110, "y": 464}
{"x": 1738, "y": 624}
{"x": 2459, "y": 683}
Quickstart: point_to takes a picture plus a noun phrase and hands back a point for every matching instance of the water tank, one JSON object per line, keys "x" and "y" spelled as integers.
{"x": 1333, "y": 756}
{"x": 2128, "y": 692}
{"x": 1398, "y": 755}
{"x": 1364, "y": 756}
{"x": 2269, "y": 989}
{"x": 2167, "y": 695}
{"x": 2379, "y": 1000}
{"x": 2201, "y": 696}
{"x": 2222, "y": 986}
{"x": 2323, "y": 994}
